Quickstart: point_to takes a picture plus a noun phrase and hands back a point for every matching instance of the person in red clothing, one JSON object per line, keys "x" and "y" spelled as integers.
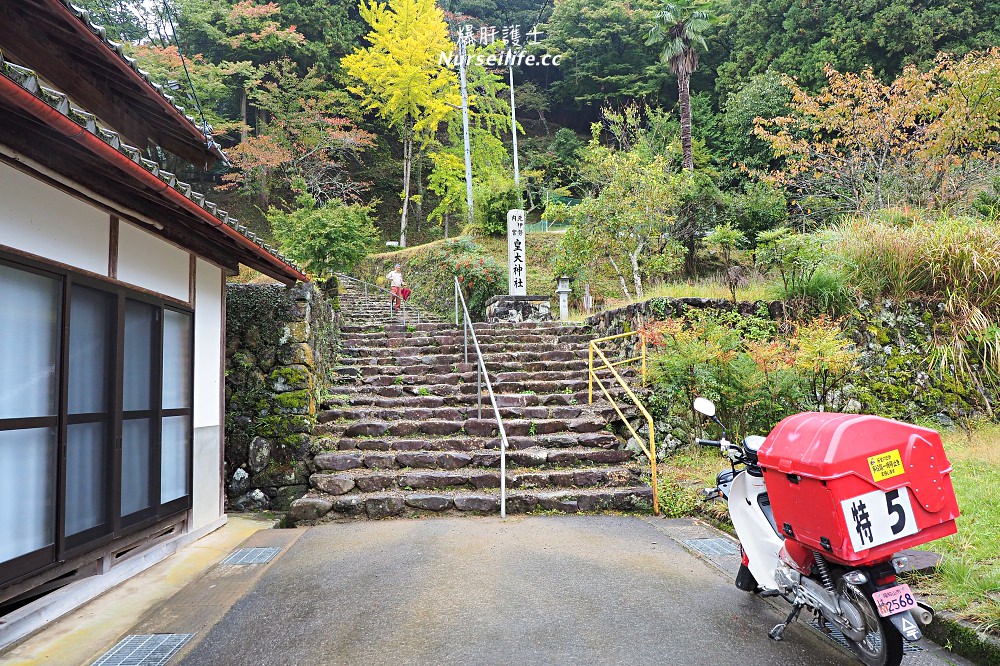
{"x": 395, "y": 279}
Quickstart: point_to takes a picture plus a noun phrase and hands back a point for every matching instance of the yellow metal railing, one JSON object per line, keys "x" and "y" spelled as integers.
{"x": 604, "y": 364}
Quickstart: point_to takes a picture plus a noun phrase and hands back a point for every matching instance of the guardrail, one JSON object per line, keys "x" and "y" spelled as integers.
{"x": 481, "y": 376}
{"x": 650, "y": 451}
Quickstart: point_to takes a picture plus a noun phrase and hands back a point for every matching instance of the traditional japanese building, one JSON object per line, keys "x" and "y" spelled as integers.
{"x": 112, "y": 318}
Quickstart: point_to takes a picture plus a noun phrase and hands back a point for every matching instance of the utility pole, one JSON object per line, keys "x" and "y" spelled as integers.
{"x": 513, "y": 130}
{"x": 465, "y": 126}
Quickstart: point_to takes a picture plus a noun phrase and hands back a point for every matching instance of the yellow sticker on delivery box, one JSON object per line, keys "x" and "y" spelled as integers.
{"x": 886, "y": 465}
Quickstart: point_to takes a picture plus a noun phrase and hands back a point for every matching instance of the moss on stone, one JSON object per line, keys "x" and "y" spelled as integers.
{"x": 296, "y": 402}
{"x": 291, "y": 378}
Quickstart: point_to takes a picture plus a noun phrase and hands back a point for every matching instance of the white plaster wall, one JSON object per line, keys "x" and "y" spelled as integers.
{"x": 208, "y": 437}
{"x": 38, "y": 218}
{"x": 151, "y": 263}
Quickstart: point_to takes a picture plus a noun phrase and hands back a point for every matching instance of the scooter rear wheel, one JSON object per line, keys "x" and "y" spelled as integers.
{"x": 881, "y": 645}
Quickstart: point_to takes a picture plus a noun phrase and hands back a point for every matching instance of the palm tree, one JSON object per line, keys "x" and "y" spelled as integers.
{"x": 680, "y": 26}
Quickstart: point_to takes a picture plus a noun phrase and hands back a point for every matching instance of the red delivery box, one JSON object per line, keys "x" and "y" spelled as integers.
{"x": 855, "y": 487}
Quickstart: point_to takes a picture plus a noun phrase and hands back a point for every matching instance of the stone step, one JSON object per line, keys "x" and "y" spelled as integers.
{"x": 373, "y": 480}
{"x": 465, "y": 443}
{"x": 452, "y": 365}
{"x": 400, "y": 433}
{"x": 419, "y": 375}
{"x": 474, "y": 427}
{"x": 459, "y": 348}
{"x": 414, "y": 384}
{"x": 484, "y": 326}
{"x": 466, "y": 393}
{"x": 548, "y": 356}
{"x": 375, "y": 505}
{"x": 405, "y": 412}
{"x": 535, "y": 457}
{"x": 462, "y": 401}
{"x": 414, "y": 338}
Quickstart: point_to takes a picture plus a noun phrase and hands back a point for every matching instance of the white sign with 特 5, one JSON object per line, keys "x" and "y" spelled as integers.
{"x": 879, "y": 517}
{"x": 517, "y": 264}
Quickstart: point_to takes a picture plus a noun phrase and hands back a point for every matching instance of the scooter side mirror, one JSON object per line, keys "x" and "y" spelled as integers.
{"x": 704, "y": 406}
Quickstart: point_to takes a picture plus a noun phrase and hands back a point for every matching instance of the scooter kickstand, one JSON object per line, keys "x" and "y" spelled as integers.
{"x": 779, "y": 629}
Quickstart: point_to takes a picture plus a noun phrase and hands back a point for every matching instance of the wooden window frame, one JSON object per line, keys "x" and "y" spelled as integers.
{"x": 114, "y": 526}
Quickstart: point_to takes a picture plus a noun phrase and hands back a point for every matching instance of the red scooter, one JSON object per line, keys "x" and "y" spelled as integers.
{"x": 823, "y": 505}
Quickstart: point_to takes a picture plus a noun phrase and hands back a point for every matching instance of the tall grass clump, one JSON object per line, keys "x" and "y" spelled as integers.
{"x": 808, "y": 272}
{"x": 952, "y": 263}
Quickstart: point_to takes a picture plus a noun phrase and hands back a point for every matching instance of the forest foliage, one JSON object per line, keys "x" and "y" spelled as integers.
{"x": 783, "y": 114}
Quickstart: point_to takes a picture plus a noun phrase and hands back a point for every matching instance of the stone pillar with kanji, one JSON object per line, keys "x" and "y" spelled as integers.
{"x": 516, "y": 253}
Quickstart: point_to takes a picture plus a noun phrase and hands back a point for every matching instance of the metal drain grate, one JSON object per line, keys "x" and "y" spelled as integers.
{"x": 144, "y": 650}
{"x": 251, "y": 555}
{"x": 713, "y": 547}
{"x": 835, "y": 635}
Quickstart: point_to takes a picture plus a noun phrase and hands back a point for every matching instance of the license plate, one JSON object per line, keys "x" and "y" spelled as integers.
{"x": 894, "y": 600}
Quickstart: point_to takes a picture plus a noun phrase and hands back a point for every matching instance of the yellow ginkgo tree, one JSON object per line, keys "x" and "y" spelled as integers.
{"x": 398, "y": 76}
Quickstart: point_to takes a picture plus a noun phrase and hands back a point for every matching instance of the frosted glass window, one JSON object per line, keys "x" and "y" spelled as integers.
{"x": 85, "y": 477}
{"x": 29, "y": 343}
{"x": 174, "y": 458}
{"x": 176, "y": 360}
{"x": 27, "y": 491}
{"x": 139, "y": 327}
{"x": 89, "y": 326}
{"x": 135, "y": 465}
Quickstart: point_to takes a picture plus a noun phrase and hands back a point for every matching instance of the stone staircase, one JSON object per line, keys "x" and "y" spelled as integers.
{"x": 401, "y": 433}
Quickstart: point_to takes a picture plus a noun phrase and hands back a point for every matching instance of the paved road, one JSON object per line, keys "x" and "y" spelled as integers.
{"x": 531, "y": 590}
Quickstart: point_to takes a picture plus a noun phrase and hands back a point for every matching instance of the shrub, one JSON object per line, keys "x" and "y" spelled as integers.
{"x": 756, "y": 375}
{"x": 810, "y": 272}
{"x": 325, "y": 239}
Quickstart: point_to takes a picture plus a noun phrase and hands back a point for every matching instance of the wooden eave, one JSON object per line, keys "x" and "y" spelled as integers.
{"x": 58, "y": 41}
{"x": 43, "y": 125}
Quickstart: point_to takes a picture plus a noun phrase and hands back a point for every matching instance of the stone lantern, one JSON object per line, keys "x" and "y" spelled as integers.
{"x": 563, "y": 290}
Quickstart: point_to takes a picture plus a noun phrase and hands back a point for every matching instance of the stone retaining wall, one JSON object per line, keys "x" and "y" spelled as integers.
{"x": 279, "y": 344}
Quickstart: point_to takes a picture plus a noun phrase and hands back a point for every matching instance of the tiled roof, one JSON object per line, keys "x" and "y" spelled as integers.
{"x": 29, "y": 81}
{"x": 102, "y": 33}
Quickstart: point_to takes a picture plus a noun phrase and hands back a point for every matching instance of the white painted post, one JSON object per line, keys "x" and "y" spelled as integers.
{"x": 517, "y": 262}
{"x": 465, "y": 126}
{"x": 513, "y": 131}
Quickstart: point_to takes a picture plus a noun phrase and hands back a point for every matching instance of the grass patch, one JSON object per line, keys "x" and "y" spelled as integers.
{"x": 682, "y": 475}
{"x": 758, "y": 289}
{"x": 968, "y": 581}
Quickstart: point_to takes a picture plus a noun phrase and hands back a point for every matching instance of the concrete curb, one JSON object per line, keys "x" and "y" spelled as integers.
{"x": 964, "y": 639}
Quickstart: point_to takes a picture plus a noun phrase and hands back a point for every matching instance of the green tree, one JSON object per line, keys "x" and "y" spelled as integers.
{"x": 124, "y": 20}
{"x": 604, "y": 62}
{"x": 398, "y": 76}
{"x": 763, "y": 96}
{"x": 680, "y": 27}
{"x": 331, "y": 29}
{"x": 801, "y": 38}
{"x": 324, "y": 239}
{"x": 303, "y": 144}
{"x": 626, "y": 223}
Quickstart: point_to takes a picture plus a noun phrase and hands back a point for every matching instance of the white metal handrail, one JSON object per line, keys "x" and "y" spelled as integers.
{"x": 368, "y": 285}
{"x": 482, "y": 374}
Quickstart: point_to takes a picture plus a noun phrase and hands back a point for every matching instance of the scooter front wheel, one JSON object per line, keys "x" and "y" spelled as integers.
{"x": 878, "y": 644}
